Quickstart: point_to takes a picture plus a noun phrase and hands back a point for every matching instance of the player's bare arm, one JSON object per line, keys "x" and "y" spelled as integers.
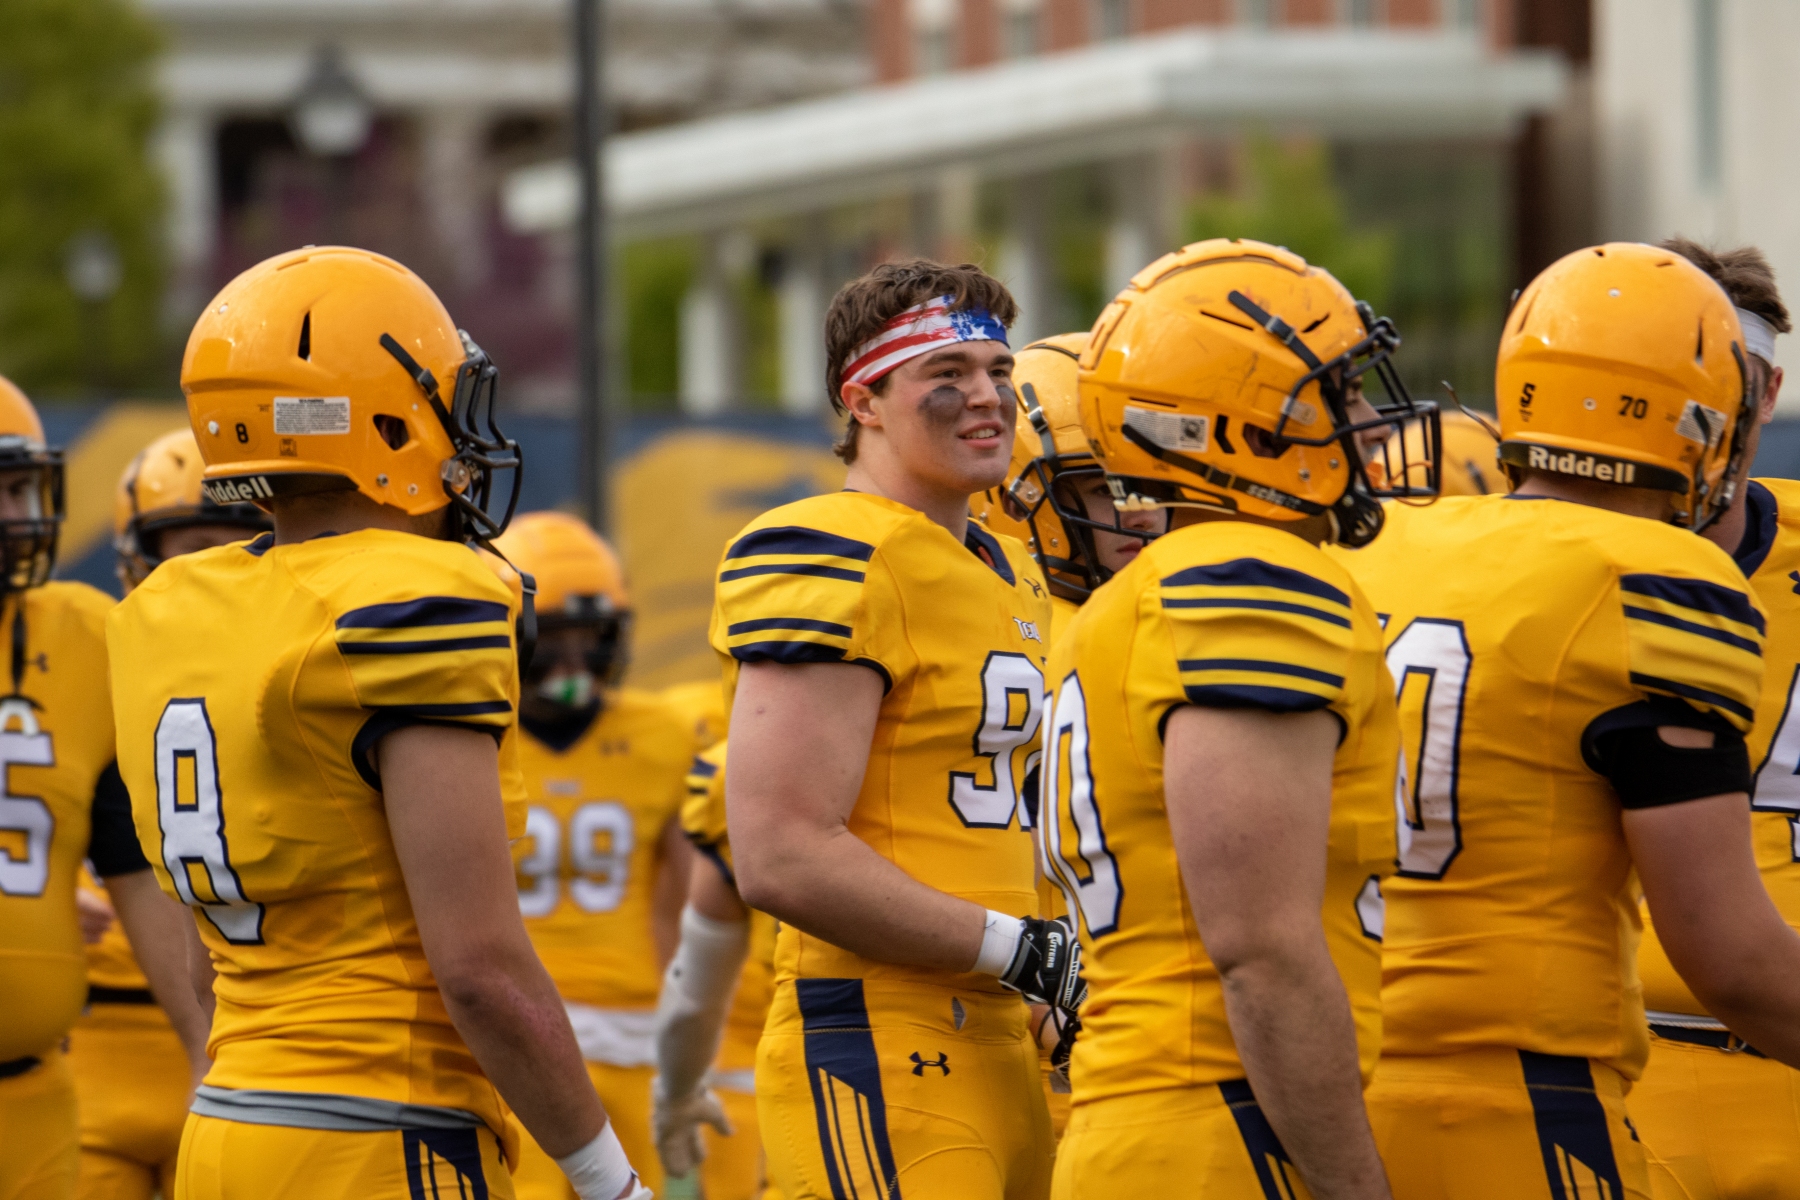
{"x": 1715, "y": 918}
{"x": 800, "y": 737}
{"x": 1249, "y": 803}
{"x": 443, "y": 805}
{"x": 157, "y": 928}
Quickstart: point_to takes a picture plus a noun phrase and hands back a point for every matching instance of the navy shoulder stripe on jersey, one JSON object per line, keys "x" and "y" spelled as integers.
{"x": 802, "y": 623}
{"x": 813, "y": 569}
{"x": 1690, "y": 692}
{"x": 424, "y": 612}
{"x": 797, "y": 539}
{"x": 1697, "y": 594}
{"x": 1246, "y": 695}
{"x": 1694, "y": 627}
{"x": 498, "y": 641}
{"x": 1254, "y": 572}
{"x": 1259, "y": 664}
{"x": 1266, "y": 605}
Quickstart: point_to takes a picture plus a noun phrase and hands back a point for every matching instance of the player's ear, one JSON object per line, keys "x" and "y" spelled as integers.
{"x": 859, "y": 399}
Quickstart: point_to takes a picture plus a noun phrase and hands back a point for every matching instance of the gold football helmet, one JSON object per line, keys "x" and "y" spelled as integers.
{"x": 1471, "y": 464}
{"x": 161, "y": 490}
{"x": 321, "y": 370}
{"x": 1625, "y": 364}
{"x": 1039, "y": 502}
{"x": 28, "y": 539}
{"x": 1222, "y": 378}
{"x": 580, "y": 584}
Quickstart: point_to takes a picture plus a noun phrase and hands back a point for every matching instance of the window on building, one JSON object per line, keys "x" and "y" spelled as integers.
{"x": 1363, "y": 13}
{"x": 934, "y": 36}
{"x": 1112, "y": 19}
{"x": 1259, "y": 13}
{"x": 1020, "y": 31}
{"x": 1467, "y": 14}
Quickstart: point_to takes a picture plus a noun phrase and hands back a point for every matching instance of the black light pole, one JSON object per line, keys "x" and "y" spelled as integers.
{"x": 594, "y": 456}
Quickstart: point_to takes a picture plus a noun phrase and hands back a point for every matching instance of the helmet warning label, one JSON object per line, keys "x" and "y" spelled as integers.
{"x": 312, "y": 415}
{"x": 1171, "y": 431}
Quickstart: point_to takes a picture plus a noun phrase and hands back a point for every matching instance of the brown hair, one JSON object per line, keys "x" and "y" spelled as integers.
{"x": 1743, "y": 273}
{"x": 864, "y": 305}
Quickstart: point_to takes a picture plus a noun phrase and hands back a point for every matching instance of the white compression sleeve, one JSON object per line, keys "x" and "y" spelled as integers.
{"x": 696, "y": 994}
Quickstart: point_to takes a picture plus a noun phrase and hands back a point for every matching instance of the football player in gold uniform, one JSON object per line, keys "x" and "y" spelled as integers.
{"x": 1721, "y": 1120}
{"x": 63, "y": 801}
{"x": 1220, "y": 745}
{"x": 1576, "y": 672}
{"x": 603, "y": 865}
{"x": 885, "y": 654}
{"x": 317, "y": 730}
{"x": 131, "y": 1070}
{"x": 714, "y": 1004}
{"x": 1056, "y": 500}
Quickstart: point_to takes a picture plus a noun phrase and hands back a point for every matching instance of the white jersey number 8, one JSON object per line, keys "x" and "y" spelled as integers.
{"x": 191, "y": 813}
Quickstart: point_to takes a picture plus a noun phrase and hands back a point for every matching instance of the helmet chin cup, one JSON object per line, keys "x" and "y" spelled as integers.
{"x": 1356, "y": 519}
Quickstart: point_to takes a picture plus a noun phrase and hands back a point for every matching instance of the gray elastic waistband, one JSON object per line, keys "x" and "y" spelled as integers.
{"x": 324, "y": 1110}
{"x": 1685, "y": 1021}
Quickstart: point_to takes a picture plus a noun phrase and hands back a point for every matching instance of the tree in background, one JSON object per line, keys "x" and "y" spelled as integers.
{"x": 77, "y": 108}
{"x": 1289, "y": 198}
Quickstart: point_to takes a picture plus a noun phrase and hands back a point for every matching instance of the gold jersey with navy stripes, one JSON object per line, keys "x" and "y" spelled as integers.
{"x": 1769, "y": 557}
{"x": 251, "y": 684}
{"x": 63, "y": 803}
{"x": 1218, "y": 614}
{"x": 61, "y": 800}
{"x": 1715, "y": 1114}
{"x": 874, "y": 1078}
{"x": 956, "y": 634}
{"x": 1515, "y": 628}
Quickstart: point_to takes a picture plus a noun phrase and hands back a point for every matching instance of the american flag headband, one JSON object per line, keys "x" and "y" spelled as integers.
{"x": 920, "y": 330}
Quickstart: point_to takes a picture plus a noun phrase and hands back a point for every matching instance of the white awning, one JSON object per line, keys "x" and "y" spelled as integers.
{"x": 1087, "y": 105}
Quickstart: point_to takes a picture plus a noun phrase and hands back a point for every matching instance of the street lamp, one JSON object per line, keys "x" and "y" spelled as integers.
{"x": 331, "y": 116}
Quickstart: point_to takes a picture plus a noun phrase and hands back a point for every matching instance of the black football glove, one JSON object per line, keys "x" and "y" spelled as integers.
{"x": 1046, "y": 968}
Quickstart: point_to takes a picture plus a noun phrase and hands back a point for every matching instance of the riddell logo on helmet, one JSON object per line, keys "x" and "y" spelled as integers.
{"x": 239, "y": 491}
{"x": 1584, "y": 465}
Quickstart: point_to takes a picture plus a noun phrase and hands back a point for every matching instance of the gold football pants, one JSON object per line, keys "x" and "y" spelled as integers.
{"x": 1502, "y": 1124}
{"x": 131, "y": 1077}
{"x": 235, "y": 1160}
{"x": 625, "y": 1091}
{"x": 1202, "y": 1141}
{"x": 1718, "y": 1125}
{"x": 39, "y": 1148}
{"x": 871, "y": 1088}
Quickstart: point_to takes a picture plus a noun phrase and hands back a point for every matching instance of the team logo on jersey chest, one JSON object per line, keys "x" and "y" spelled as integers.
{"x": 1028, "y": 630}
